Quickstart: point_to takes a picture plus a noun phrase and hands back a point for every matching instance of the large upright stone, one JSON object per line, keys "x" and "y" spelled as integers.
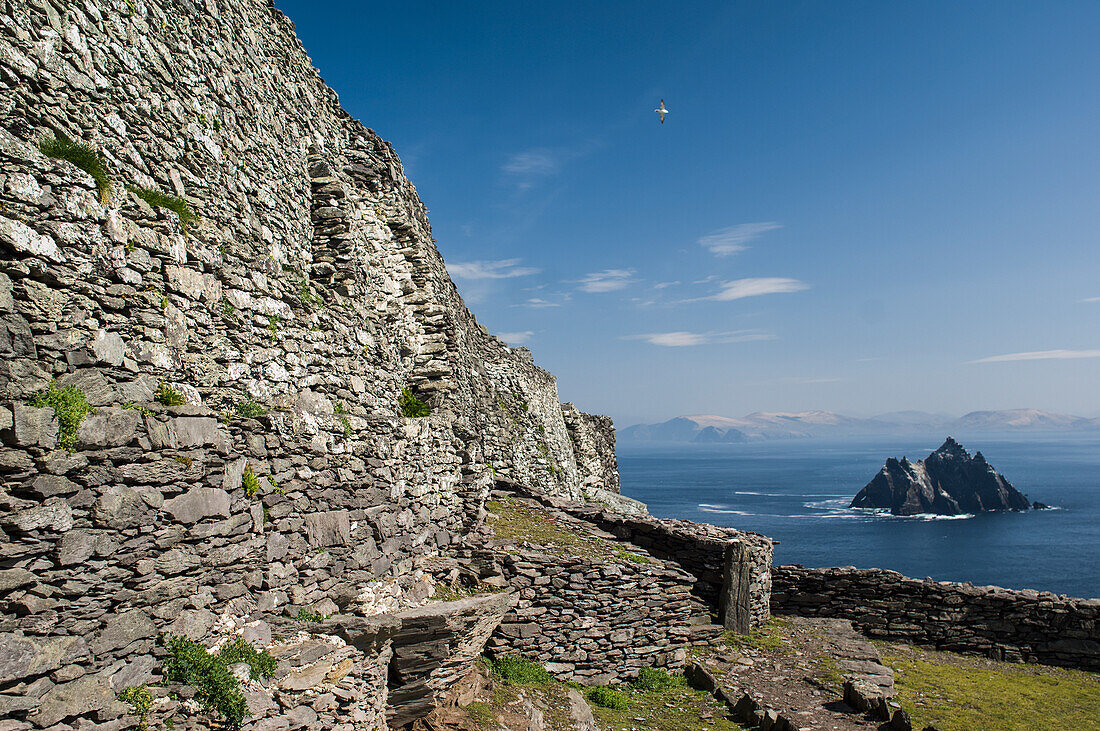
{"x": 332, "y": 528}
{"x": 32, "y": 427}
{"x": 736, "y": 598}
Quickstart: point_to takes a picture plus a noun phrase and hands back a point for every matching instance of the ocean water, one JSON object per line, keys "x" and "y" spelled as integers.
{"x": 797, "y": 492}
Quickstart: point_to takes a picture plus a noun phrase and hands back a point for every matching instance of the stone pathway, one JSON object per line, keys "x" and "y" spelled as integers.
{"x": 803, "y": 673}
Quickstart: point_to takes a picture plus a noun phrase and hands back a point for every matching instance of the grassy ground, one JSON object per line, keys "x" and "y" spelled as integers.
{"x": 959, "y": 693}
{"x": 513, "y": 520}
{"x": 678, "y": 708}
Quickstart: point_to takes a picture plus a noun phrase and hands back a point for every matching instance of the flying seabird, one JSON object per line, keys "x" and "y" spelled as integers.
{"x": 662, "y": 111}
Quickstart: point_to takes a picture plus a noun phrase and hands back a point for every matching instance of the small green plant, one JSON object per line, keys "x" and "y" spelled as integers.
{"x": 305, "y": 615}
{"x": 606, "y": 697}
{"x": 413, "y": 407}
{"x": 132, "y": 8}
{"x": 518, "y": 670}
{"x": 84, "y": 156}
{"x": 202, "y": 119}
{"x": 339, "y": 408}
{"x": 347, "y": 426}
{"x": 158, "y": 199}
{"x": 273, "y": 326}
{"x": 168, "y": 396}
{"x": 654, "y": 680}
{"x": 130, "y": 246}
{"x": 261, "y": 664}
{"x": 229, "y": 311}
{"x": 217, "y": 688}
{"x": 307, "y": 296}
{"x": 184, "y": 460}
{"x": 249, "y": 482}
{"x": 70, "y": 407}
{"x": 140, "y": 700}
{"x": 321, "y": 549}
{"x": 217, "y": 125}
{"x": 131, "y": 406}
{"x": 249, "y": 409}
{"x": 275, "y": 486}
{"x": 267, "y": 516}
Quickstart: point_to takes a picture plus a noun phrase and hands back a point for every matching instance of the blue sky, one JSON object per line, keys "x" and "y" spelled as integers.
{"x": 854, "y": 206}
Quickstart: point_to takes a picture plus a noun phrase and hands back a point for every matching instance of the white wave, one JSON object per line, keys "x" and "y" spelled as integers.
{"x": 833, "y": 504}
{"x": 707, "y": 508}
{"x": 788, "y": 494}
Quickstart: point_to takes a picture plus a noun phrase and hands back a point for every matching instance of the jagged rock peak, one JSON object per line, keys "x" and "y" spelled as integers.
{"x": 948, "y": 482}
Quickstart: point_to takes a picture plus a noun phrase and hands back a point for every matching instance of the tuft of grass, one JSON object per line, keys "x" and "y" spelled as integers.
{"x": 518, "y": 670}
{"x": 339, "y": 408}
{"x": 605, "y": 697}
{"x": 656, "y": 680}
{"x": 766, "y": 639}
{"x": 955, "y": 692}
{"x": 131, "y": 406}
{"x": 305, "y": 615}
{"x": 159, "y": 199}
{"x": 273, "y": 326}
{"x": 140, "y": 700}
{"x": 261, "y": 663}
{"x": 217, "y": 689}
{"x": 249, "y": 482}
{"x": 83, "y": 155}
{"x": 413, "y": 407}
{"x": 481, "y": 714}
{"x": 249, "y": 409}
{"x": 168, "y": 396}
{"x": 69, "y": 405}
{"x": 347, "y": 426}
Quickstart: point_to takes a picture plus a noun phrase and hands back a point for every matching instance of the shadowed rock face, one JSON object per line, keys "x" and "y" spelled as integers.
{"x": 948, "y": 482}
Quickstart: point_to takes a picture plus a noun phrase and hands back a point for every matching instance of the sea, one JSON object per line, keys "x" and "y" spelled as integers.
{"x": 797, "y": 491}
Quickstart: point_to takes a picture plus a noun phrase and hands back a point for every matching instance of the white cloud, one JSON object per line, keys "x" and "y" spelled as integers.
{"x": 662, "y": 285}
{"x": 682, "y": 339}
{"x": 516, "y": 338}
{"x": 608, "y": 280}
{"x": 501, "y": 269}
{"x": 1039, "y": 355}
{"x": 1091, "y": 299}
{"x": 536, "y": 161}
{"x": 733, "y": 239}
{"x": 755, "y": 286}
{"x": 539, "y": 303}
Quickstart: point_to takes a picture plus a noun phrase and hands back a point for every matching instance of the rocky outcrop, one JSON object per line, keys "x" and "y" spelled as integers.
{"x": 948, "y": 482}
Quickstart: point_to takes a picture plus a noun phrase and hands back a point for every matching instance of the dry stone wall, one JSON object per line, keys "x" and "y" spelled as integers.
{"x": 1019, "y": 626}
{"x": 289, "y": 318}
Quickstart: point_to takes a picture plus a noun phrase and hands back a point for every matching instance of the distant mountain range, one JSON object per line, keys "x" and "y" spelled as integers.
{"x": 707, "y": 428}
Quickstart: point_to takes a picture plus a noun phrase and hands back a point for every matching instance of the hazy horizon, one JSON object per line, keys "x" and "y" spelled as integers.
{"x": 856, "y": 207}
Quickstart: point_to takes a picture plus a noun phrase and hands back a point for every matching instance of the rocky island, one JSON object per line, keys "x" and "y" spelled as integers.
{"x": 948, "y": 482}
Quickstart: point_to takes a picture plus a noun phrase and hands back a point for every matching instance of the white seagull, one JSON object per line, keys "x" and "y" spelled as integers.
{"x": 662, "y": 111}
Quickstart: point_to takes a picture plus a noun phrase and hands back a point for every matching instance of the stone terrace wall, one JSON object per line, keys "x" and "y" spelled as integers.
{"x": 1019, "y": 626}
{"x": 594, "y": 622}
{"x": 697, "y": 548}
{"x": 310, "y": 284}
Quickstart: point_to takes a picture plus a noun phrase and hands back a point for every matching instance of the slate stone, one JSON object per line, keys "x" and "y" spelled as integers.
{"x": 108, "y": 427}
{"x": 32, "y": 427}
{"x": 53, "y": 515}
{"x": 196, "y": 504}
{"x": 119, "y": 507}
{"x": 121, "y": 629}
{"x": 332, "y": 528}
{"x": 91, "y": 693}
{"x": 31, "y": 656}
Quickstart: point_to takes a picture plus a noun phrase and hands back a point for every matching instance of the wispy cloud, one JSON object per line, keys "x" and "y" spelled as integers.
{"x": 1039, "y": 355}
{"x": 536, "y": 161}
{"x": 500, "y": 269}
{"x": 756, "y": 286}
{"x": 609, "y": 280}
{"x": 539, "y": 303}
{"x": 733, "y": 239}
{"x": 662, "y": 285}
{"x": 682, "y": 339}
{"x": 516, "y": 338}
{"x": 1091, "y": 299}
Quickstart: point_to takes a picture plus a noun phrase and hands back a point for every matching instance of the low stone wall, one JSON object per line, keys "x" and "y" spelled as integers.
{"x": 702, "y": 550}
{"x": 594, "y": 622}
{"x": 1018, "y": 626}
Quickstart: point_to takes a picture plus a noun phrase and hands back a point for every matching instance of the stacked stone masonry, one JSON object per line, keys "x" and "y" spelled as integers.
{"x": 289, "y": 318}
{"x": 699, "y": 549}
{"x": 1018, "y": 626}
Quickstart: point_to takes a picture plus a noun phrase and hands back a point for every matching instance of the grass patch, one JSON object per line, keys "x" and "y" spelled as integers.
{"x": 481, "y": 714}
{"x": 249, "y": 409}
{"x": 140, "y": 700}
{"x": 654, "y": 680}
{"x": 516, "y": 521}
{"x": 159, "y": 199}
{"x": 518, "y": 670}
{"x": 956, "y": 692}
{"x": 676, "y": 707}
{"x": 605, "y": 697}
{"x": 69, "y": 406}
{"x": 168, "y": 396}
{"x": 83, "y": 155}
{"x": 305, "y": 615}
{"x": 261, "y": 663}
{"x": 411, "y": 406}
{"x": 767, "y": 639}
{"x": 131, "y": 406}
